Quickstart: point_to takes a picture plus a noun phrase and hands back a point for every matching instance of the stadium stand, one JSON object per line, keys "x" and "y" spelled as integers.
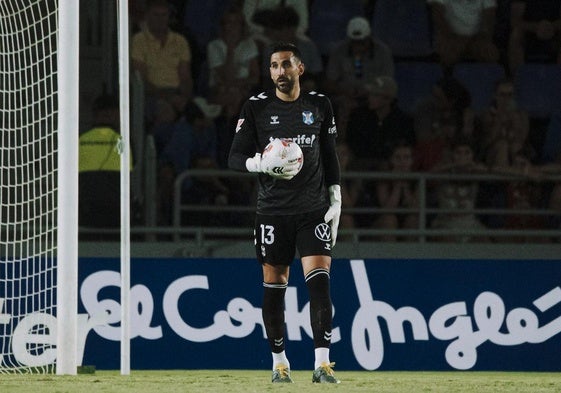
{"x": 328, "y": 21}
{"x": 415, "y": 81}
{"x": 538, "y": 88}
{"x": 404, "y": 26}
{"x": 480, "y": 80}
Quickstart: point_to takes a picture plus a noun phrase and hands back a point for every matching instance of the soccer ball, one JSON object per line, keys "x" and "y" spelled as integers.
{"x": 280, "y": 152}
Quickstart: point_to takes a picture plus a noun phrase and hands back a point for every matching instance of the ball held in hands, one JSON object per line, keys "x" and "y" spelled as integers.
{"x": 282, "y": 158}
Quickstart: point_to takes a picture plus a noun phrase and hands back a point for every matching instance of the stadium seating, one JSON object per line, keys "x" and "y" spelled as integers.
{"x": 404, "y": 26}
{"x": 538, "y": 88}
{"x": 551, "y": 148}
{"x": 201, "y": 19}
{"x": 415, "y": 81}
{"x": 328, "y": 21}
{"x": 480, "y": 80}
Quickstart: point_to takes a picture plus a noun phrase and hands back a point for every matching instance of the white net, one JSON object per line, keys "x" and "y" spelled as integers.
{"x": 28, "y": 173}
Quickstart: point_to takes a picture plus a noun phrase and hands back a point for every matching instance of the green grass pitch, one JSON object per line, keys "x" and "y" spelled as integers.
{"x": 241, "y": 381}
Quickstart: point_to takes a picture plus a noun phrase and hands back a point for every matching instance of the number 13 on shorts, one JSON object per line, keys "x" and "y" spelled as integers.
{"x": 267, "y": 234}
{"x": 264, "y": 241}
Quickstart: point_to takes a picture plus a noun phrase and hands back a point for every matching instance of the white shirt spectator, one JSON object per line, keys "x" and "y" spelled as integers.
{"x": 464, "y": 16}
{"x": 243, "y": 53}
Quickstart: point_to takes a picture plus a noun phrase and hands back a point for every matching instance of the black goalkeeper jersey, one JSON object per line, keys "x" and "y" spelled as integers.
{"x": 307, "y": 121}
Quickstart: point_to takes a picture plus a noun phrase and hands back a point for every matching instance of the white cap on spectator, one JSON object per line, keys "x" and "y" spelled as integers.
{"x": 358, "y": 28}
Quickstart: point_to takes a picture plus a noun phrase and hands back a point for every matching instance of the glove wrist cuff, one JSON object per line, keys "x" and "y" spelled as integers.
{"x": 335, "y": 193}
{"x": 253, "y": 164}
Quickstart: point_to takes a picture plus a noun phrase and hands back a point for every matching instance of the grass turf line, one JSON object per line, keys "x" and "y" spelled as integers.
{"x": 242, "y": 381}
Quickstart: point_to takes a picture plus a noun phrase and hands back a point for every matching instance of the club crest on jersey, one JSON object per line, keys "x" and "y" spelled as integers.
{"x": 308, "y": 118}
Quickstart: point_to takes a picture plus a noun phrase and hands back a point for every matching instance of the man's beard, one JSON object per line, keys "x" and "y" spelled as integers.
{"x": 284, "y": 85}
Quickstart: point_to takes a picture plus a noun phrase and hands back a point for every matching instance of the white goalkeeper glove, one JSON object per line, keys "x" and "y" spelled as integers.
{"x": 285, "y": 172}
{"x": 334, "y": 212}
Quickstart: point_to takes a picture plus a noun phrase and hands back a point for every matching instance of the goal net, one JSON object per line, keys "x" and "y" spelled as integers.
{"x": 29, "y": 110}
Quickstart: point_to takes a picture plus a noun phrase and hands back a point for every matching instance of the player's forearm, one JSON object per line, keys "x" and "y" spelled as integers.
{"x": 330, "y": 162}
{"x": 241, "y": 149}
{"x": 237, "y": 161}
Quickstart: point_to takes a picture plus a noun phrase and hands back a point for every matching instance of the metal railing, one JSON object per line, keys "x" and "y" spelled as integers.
{"x": 424, "y": 233}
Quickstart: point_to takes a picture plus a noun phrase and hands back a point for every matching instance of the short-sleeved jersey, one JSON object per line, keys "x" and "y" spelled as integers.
{"x": 308, "y": 121}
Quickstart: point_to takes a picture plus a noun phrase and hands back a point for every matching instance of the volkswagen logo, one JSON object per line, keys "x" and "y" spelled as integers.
{"x": 323, "y": 232}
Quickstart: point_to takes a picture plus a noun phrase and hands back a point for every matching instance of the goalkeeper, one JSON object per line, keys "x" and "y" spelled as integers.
{"x": 296, "y": 209}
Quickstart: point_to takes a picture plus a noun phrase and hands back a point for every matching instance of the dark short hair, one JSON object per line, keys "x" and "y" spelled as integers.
{"x": 285, "y": 47}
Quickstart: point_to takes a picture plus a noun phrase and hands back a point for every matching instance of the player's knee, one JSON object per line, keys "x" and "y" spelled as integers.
{"x": 317, "y": 282}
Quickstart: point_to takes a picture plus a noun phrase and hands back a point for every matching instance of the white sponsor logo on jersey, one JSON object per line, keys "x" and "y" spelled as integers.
{"x": 304, "y": 140}
{"x": 274, "y": 120}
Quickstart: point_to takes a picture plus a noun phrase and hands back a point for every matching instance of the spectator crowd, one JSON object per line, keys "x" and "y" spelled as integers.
{"x": 200, "y": 60}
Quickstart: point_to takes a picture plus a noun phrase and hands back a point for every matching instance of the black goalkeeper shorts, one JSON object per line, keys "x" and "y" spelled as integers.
{"x": 278, "y": 237}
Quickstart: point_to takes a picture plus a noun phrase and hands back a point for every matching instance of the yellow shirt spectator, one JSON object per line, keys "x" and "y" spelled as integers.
{"x": 99, "y": 150}
{"x": 161, "y": 61}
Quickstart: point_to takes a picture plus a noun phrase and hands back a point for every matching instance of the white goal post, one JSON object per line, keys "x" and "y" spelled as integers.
{"x": 38, "y": 174}
{"x": 39, "y": 125}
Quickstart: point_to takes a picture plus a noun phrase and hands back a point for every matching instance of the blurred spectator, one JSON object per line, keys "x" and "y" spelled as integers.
{"x": 137, "y": 8}
{"x": 190, "y": 144}
{"x": 398, "y": 193}
{"x": 459, "y": 195}
{"x": 260, "y": 13}
{"x": 283, "y": 28}
{"x": 523, "y": 193}
{"x": 464, "y": 30}
{"x": 199, "y": 20}
{"x": 436, "y": 150}
{"x": 100, "y": 167}
{"x": 163, "y": 59}
{"x": 448, "y": 100}
{"x": 505, "y": 127}
{"x": 353, "y": 64}
{"x": 376, "y": 127}
{"x": 535, "y": 34}
{"x": 233, "y": 61}
{"x": 551, "y": 150}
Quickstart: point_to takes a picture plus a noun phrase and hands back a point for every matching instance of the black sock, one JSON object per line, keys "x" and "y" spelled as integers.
{"x": 273, "y": 315}
{"x": 321, "y": 315}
